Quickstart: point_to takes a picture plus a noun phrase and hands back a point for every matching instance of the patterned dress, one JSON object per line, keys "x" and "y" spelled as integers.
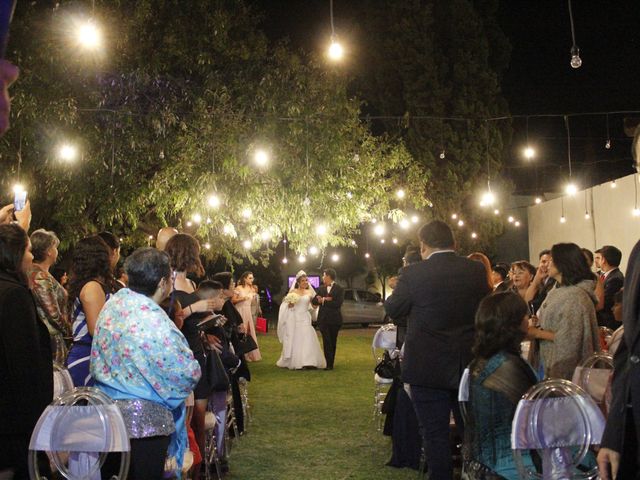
{"x": 80, "y": 352}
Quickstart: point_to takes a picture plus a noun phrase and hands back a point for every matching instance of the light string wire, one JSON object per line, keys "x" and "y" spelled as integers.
{"x": 566, "y": 123}
{"x": 333, "y": 30}
{"x": 573, "y": 30}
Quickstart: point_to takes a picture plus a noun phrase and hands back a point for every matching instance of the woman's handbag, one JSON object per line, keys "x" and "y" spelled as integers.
{"x": 217, "y": 376}
{"x": 387, "y": 367}
{"x": 262, "y": 325}
{"x": 246, "y": 344}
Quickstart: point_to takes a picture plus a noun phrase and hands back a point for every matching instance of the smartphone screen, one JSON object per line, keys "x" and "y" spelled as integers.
{"x": 20, "y": 200}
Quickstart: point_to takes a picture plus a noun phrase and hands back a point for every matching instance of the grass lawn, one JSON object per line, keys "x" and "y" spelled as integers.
{"x": 314, "y": 424}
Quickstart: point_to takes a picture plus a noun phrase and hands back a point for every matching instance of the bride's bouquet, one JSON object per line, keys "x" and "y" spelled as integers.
{"x": 291, "y": 298}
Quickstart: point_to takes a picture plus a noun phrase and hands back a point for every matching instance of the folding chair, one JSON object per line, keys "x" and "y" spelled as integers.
{"x": 594, "y": 377}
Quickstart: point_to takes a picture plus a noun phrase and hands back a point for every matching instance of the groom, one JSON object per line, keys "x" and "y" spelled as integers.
{"x": 329, "y": 297}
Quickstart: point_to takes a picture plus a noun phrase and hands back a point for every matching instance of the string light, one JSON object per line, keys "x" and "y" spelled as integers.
{"x": 265, "y": 235}
{"x": 246, "y": 244}
{"x": 454, "y": 216}
{"x": 474, "y": 235}
{"x": 335, "y": 257}
{"x": 517, "y": 223}
{"x": 189, "y": 224}
{"x": 67, "y": 152}
{"x": 321, "y": 229}
{"x": 538, "y": 200}
{"x": 382, "y": 241}
{"x": 353, "y": 242}
{"x": 214, "y": 201}
{"x": 404, "y": 224}
{"x": 394, "y": 240}
{"x": 442, "y": 154}
{"x": 614, "y": 184}
{"x": 460, "y": 223}
{"x": 415, "y": 219}
{"x": 207, "y": 246}
{"x": 335, "y": 52}
{"x": 302, "y": 258}
{"x": 88, "y": 36}
{"x": 246, "y": 213}
{"x": 379, "y": 230}
{"x": 285, "y": 261}
{"x": 229, "y": 230}
{"x": 496, "y": 212}
{"x": 197, "y": 218}
{"x": 261, "y": 158}
{"x": 400, "y": 194}
{"x": 367, "y": 255}
{"x": 510, "y": 219}
{"x": 576, "y": 61}
{"x": 313, "y": 250}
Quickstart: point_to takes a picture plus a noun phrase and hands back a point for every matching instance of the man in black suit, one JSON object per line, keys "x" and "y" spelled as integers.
{"x": 440, "y": 295}
{"x": 619, "y": 454}
{"x": 613, "y": 281}
{"x": 329, "y": 297}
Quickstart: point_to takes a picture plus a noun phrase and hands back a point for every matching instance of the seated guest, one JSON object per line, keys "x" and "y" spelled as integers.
{"x": 142, "y": 361}
{"x": 498, "y": 379}
{"x": 522, "y": 273}
{"x": 499, "y": 278}
{"x": 568, "y": 332}
{"x": 89, "y": 289}
{"x": 51, "y": 298}
{"x": 26, "y": 373}
{"x": 613, "y": 281}
{"x": 482, "y": 258}
{"x": 541, "y": 284}
{"x": 113, "y": 244}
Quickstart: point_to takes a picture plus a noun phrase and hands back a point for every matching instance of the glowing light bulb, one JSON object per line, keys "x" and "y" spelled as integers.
{"x": 510, "y": 219}
{"x": 189, "y": 223}
{"x": 349, "y": 195}
{"x": 302, "y": 259}
{"x": 394, "y": 240}
{"x": 563, "y": 219}
{"x": 150, "y": 237}
{"x": 375, "y": 220}
{"x": 614, "y": 184}
{"x": 313, "y": 250}
{"x": 321, "y": 229}
{"x": 285, "y": 261}
{"x": 336, "y": 52}
{"x": 382, "y": 241}
{"x": 379, "y": 230}
{"x": 571, "y": 189}
{"x": 214, "y": 201}
{"x": 496, "y": 212}
{"x": 474, "y": 235}
{"x": 400, "y": 194}
{"x": 229, "y": 230}
{"x": 460, "y": 223}
{"x": 636, "y": 212}
{"x": 454, "y": 216}
{"x": 67, "y": 152}
{"x": 517, "y": 223}
{"x": 366, "y": 255}
{"x": 442, "y": 154}
{"x": 247, "y": 244}
{"x": 576, "y": 61}
{"x": 207, "y": 246}
{"x": 529, "y": 153}
{"x": 208, "y": 221}
{"x": 353, "y": 242}
{"x": 197, "y": 218}
{"x": 488, "y": 199}
{"x": 538, "y": 200}
{"x": 89, "y": 36}
{"x": 607, "y": 144}
{"x": 335, "y": 257}
{"x": 404, "y": 224}
{"x": 265, "y": 235}
{"x": 415, "y": 219}
{"x": 587, "y": 216}
{"x": 261, "y": 158}
{"x": 246, "y": 213}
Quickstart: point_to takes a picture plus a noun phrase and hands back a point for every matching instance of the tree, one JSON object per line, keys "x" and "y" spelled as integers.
{"x": 173, "y": 114}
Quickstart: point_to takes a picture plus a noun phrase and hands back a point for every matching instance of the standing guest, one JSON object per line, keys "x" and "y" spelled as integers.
{"x": 142, "y": 361}
{"x": 329, "y": 297}
{"x": 164, "y": 235}
{"x": 242, "y": 299}
{"x": 613, "y": 281}
{"x": 482, "y": 258}
{"x": 113, "y": 243}
{"x": 499, "y": 275}
{"x": 599, "y": 291}
{"x": 498, "y": 379}
{"x": 568, "y": 332}
{"x": 440, "y": 295}
{"x": 522, "y": 273}
{"x": 52, "y": 301}
{"x": 542, "y": 282}
{"x": 619, "y": 455}
{"x": 26, "y": 372}
{"x": 597, "y": 261}
{"x": 89, "y": 289}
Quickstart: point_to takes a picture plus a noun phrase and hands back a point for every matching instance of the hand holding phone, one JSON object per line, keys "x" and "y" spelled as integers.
{"x": 19, "y": 200}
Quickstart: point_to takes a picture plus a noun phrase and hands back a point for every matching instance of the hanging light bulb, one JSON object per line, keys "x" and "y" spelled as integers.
{"x": 336, "y": 51}
{"x": 488, "y": 199}
{"x": 261, "y": 158}
{"x": 517, "y": 223}
{"x": 246, "y": 213}
{"x": 207, "y": 246}
{"x": 415, "y": 219}
{"x": 400, "y": 194}
{"x": 586, "y": 215}
{"x": 614, "y": 184}
{"x": 214, "y": 201}
{"x": 454, "y": 216}
{"x": 460, "y": 223}
{"x": 285, "y": 261}
{"x": 510, "y": 219}
{"x": 379, "y": 230}
{"x": 313, "y": 250}
{"x": 366, "y": 255}
{"x": 576, "y": 61}
{"x": 197, "y": 218}
{"x": 636, "y": 212}
{"x": 496, "y": 212}
{"x": 89, "y": 36}
{"x": 349, "y": 195}
{"x": 404, "y": 224}
{"x": 538, "y": 200}
{"x": 265, "y": 235}
{"x": 571, "y": 189}
{"x": 474, "y": 235}
{"x": 563, "y": 219}
{"x": 442, "y": 154}
{"x": 607, "y": 144}
{"x": 246, "y": 244}
{"x": 529, "y": 153}
{"x": 335, "y": 257}
{"x": 394, "y": 240}
{"x": 382, "y": 241}
{"x": 189, "y": 223}
{"x": 67, "y": 152}
{"x": 302, "y": 258}
{"x": 353, "y": 242}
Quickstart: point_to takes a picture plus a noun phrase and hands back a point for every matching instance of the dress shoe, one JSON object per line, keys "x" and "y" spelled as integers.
{"x": 329, "y": 368}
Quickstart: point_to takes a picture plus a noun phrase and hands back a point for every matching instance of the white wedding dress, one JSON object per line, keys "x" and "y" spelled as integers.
{"x": 300, "y": 345}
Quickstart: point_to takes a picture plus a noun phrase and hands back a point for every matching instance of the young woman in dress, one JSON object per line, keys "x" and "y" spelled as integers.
{"x": 300, "y": 345}
{"x": 242, "y": 300}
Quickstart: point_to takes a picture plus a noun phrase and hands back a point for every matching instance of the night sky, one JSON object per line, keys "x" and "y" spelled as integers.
{"x": 539, "y": 80}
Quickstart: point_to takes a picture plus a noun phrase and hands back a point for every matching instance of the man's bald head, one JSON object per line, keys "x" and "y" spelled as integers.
{"x": 164, "y": 235}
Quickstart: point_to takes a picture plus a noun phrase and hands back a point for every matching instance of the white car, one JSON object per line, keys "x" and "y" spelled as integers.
{"x": 362, "y": 307}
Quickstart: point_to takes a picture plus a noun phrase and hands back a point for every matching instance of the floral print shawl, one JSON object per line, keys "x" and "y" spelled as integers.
{"x": 137, "y": 352}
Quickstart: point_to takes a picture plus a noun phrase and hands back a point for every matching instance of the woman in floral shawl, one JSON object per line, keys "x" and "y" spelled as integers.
{"x": 142, "y": 361}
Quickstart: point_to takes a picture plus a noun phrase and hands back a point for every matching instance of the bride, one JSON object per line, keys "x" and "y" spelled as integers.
{"x": 300, "y": 346}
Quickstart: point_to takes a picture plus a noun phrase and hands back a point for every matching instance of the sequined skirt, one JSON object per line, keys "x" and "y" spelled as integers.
{"x": 146, "y": 419}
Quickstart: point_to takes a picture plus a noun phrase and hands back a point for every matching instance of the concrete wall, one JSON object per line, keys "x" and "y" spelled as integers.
{"x": 611, "y": 220}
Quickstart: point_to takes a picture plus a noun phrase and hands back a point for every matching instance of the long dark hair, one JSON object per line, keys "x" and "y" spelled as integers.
{"x": 184, "y": 251}
{"x": 498, "y": 324}
{"x": 13, "y": 243}
{"x": 571, "y": 263}
{"x": 243, "y": 277}
{"x": 90, "y": 261}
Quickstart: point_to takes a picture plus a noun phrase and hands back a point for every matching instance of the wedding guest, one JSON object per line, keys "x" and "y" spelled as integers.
{"x": 568, "y": 331}
{"x": 499, "y": 277}
{"x": 482, "y": 258}
{"x": 522, "y": 274}
{"x": 52, "y": 302}
{"x": 89, "y": 289}
{"x": 542, "y": 282}
{"x": 498, "y": 379}
{"x": 164, "y": 235}
{"x": 256, "y": 310}
{"x": 113, "y": 243}
{"x": 26, "y": 372}
{"x": 22, "y": 217}
{"x": 613, "y": 280}
{"x": 242, "y": 300}
{"x": 599, "y": 291}
{"x": 619, "y": 455}
{"x": 142, "y": 361}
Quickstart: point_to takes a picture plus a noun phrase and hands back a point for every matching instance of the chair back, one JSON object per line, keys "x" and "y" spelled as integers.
{"x": 561, "y": 421}
{"x": 384, "y": 340}
{"x": 77, "y": 431}
{"x": 594, "y": 377}
{"x": 463, "y": 394}
{"x": 62, "y": 381}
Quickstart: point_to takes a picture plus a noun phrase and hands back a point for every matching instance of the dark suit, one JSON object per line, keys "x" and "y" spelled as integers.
{"x": 329, "y": 319}
{"x": 622, "y": 432}
{"x": 441, "y": 296}
{"x": 612, "y": 284}
{"x": 501, "y": 287}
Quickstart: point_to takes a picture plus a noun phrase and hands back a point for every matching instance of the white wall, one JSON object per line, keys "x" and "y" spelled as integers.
{"x": 611, "y": 222}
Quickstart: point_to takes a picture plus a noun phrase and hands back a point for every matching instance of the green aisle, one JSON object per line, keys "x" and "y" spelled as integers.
{"x": 314, "y": 424}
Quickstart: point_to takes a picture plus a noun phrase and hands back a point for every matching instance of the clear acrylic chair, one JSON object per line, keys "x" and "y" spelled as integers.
{"x": 560, "y": 421}
{"x": 594, "y": 376}
{"x": 62, "y": 381}
{"x": 243, "y": 384}
{"x": 211, "y": 457}
{"x": 77, "y": 431}
{"x": 384, "y": 340}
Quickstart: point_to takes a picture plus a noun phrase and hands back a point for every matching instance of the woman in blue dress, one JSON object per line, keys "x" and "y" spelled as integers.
{"x": 88, "y": 290}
